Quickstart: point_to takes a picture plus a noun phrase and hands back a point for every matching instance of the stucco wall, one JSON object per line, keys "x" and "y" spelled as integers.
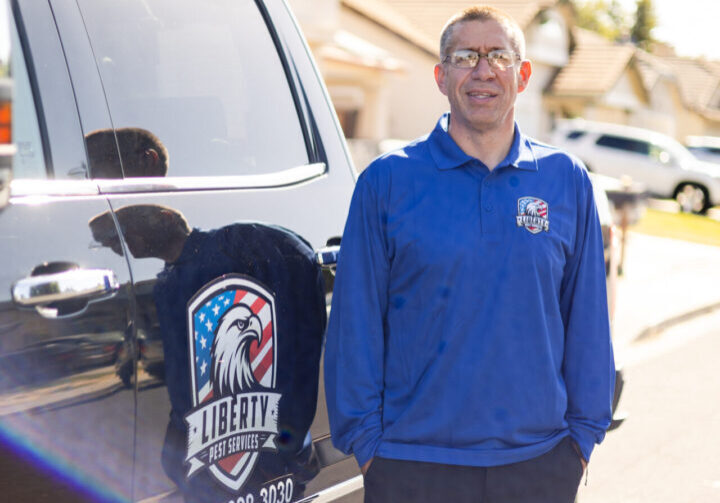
{"x": 412, "y": 99}
{"x": 530, "y": 112}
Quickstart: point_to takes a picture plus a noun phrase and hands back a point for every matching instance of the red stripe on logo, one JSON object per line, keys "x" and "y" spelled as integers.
{"x": 239, "y": 294}
{"x": 255, "y": 348}
{"x": 264, "y": 366}
{"x": 257, "y": 305}
{"x": 228, "y": 463}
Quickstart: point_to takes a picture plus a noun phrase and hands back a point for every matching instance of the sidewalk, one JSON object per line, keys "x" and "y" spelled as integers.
{"x": 666, "y": 281}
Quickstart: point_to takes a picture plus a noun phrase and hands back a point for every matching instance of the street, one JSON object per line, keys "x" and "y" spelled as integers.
{"x": 667, "y": 337}
{"x": 667, "y": 449}
{"x": 665, "y": 280}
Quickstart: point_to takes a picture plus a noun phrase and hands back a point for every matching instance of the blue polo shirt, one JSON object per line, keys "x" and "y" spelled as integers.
{"x": 469, "y": 322}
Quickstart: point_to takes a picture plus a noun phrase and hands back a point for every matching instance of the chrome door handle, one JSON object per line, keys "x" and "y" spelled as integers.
{"x": 327, "y": 257}
{"x": 75, "y": 284}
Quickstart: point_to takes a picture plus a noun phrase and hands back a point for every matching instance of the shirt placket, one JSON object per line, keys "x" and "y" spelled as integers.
{"x": 490, "y": 206}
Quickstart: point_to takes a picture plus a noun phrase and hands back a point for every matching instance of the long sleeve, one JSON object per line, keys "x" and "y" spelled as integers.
{"x": 588, "y": 364}
{"x": 355, "y": 342}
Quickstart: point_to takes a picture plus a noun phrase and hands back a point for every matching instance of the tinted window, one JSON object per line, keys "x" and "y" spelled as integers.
{"x": 710, "y": 150}
{"x": 203, "y": 78}
{"x": 574, "y": 135}
{"x": 627, "y": 144}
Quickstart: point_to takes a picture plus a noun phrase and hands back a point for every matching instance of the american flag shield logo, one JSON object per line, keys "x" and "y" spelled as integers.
{"x": 533, "y": 214}
{"x": 233, "y": 360}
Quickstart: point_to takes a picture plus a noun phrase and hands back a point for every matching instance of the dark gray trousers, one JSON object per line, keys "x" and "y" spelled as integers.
{"x": 551, "y": 478}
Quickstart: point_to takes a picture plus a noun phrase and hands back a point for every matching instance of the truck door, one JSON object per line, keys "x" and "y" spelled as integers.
{"x": 66, "y": 416}
{"x": 231, "y": 175}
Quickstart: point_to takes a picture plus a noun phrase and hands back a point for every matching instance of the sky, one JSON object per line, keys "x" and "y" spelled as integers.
{"x": 691, "y": 26}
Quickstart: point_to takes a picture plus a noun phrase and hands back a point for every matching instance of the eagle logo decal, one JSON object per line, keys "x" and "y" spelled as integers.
{"x": 233, "y": 357}
{"x": 533, "y": 214}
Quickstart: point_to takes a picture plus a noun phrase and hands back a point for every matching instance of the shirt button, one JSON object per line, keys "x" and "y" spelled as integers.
{"x": 486, "y": 183}
{"x": 488, "y": 207}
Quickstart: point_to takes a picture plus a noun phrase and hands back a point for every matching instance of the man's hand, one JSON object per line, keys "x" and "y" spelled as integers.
{"x": 364, "y": 468}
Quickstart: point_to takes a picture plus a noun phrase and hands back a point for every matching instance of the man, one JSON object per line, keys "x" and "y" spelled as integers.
{"x": 468, "y": 354}
{"x": 141, "y": 152}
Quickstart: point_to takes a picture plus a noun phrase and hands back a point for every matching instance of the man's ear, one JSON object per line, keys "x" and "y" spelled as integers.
{"x": 152, "y": 165}
{"x": 440, "y": 78}
{"x": 524, "y": 75}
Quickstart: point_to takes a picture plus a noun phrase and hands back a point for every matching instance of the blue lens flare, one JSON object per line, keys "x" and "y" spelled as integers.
{"x": 23, "y": 438}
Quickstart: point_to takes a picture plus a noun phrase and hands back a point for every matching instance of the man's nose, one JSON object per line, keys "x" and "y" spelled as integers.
{"x": 483, "y": 70}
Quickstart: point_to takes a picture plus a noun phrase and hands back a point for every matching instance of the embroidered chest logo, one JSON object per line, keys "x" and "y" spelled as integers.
{"x": 533, "y": 214}
{"x": 233, "y": 363}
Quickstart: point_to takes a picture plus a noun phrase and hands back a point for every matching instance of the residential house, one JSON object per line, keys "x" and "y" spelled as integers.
{"x": 609, "y": 82}
{"x": 699, "y": 83}
{"x": 612, "y": 82}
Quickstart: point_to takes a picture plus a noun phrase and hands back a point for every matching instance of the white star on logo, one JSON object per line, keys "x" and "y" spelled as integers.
{"x": 227, "y": 301}
{"x": 203, "y": 342}
{"x": 209, "y": 325}
{"x": 196, "y": 334}
{"x": 202, "y": 317}
{"x": 203, "y": 367}
{"x": 216, "y": 309}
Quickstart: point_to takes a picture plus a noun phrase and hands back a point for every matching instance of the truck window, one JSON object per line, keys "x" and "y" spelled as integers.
{"x": 204, "y": 78}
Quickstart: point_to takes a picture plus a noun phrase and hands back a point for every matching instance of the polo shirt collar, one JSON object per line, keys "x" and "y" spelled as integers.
{"x": 448, "y": 155}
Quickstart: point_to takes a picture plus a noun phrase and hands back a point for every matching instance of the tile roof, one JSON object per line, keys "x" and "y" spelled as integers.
{"x": 652, "y": 69}
{"x": 595, "y": 66}
{"x": 699, "y": 80}
{"x": 421, "y": 21}
{"x": 385, "y": 15}
{"x": 351, "y": 49}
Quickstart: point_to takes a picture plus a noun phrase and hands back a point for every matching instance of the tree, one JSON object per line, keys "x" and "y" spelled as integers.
{"x": 605, "y": 17}
{"x": 645, "y": 21}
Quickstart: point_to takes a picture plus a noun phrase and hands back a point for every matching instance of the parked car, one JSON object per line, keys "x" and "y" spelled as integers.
{"x": 705, "y": 148}
{"x": 661, "y": 164}
{"x": 177, "y": 166}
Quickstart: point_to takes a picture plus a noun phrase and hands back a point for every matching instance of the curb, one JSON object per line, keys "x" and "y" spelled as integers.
{"x": 656, "y": 329}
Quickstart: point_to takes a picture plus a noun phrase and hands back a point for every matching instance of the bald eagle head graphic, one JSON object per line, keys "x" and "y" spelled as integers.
{"x": 532, "y": 209}
{"x": 230, "y": 352}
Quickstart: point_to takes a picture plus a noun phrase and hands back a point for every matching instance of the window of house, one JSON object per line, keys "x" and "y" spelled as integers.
{"x": 348, "y": 121}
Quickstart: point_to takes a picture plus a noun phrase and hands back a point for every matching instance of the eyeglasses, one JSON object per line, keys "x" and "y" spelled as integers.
{"x": 499, "y": 59}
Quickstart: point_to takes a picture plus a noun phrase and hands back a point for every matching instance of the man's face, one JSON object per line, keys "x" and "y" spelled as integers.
{"x": 481, "y": 98}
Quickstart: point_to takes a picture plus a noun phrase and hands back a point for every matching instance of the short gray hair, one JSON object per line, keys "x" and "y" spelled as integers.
{"x": 483, "y": 13}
